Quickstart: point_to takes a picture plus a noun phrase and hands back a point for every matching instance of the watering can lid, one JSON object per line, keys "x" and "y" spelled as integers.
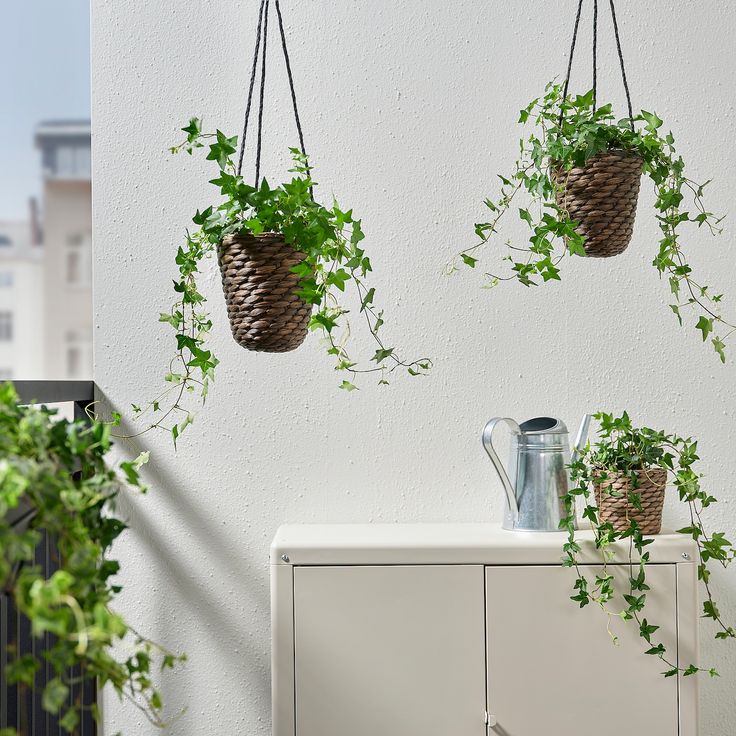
{"x": 543, "y": 425}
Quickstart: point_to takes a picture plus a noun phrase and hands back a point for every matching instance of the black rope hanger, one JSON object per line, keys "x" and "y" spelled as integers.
{"x": 260, "y": 51}
{"x": 595, "y": 57}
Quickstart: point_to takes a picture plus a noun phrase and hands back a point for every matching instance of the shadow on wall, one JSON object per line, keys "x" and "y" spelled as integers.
{"x": 205, "y": 607}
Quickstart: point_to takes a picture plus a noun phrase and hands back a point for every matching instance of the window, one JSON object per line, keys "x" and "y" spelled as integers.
{"x": 6, "y": 279}
{"x": 73, "y": 161}
{"x": 78, "y": 355}
{"x": 84, "y": 161}
{"x": 65, "y": 161}
{"x": 6, "y": 326}
{"x": 78, "y": 260}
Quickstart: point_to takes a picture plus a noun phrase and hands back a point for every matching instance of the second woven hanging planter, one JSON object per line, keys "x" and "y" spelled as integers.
{"x": 264, "y": 310}
{"x": 601, "y": 197}
{"x": 614, "y": 507}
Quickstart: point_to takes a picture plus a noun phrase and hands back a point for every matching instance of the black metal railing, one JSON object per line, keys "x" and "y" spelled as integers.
{"x": 21, "y": 707}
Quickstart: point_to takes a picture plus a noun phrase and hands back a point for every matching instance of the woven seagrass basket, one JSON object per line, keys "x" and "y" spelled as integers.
{"x": 601, "y": 197}
{"x": 264, "y": 311}
{"x": 616, "y": 509}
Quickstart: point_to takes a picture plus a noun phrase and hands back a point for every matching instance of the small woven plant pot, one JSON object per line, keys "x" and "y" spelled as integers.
{"x": 264, "y": 311}
{"x": 601, "y": 197}
{"x": 616, "y": 509}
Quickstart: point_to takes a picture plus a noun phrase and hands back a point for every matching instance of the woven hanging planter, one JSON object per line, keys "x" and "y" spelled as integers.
{"x": 616, "y": 509}
{"x": 601, "y": 197}
{"x": 260, "y": 292}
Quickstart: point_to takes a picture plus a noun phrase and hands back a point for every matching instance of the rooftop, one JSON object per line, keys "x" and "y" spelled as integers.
{"x": 62, "y": 128}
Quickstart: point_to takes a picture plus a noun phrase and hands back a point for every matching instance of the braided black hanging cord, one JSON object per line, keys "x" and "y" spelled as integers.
{"x": 595, "y": 53}
{"x": 621, "y": 61}
{"x": 595, "y": 58}
{"x": 572, "y": 53}
{"x": 291, "y": 78}
{"x": 263, "y": 89}
{"x": 250, "y": 88}
{"x": 260, "y": 53}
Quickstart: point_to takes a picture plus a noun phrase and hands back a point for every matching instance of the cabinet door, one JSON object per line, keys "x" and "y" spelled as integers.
{"x": 553, "y": 668}
{"x": 389, "y": 651}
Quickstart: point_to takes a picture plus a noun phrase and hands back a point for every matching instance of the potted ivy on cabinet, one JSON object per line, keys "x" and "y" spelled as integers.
{"x": 620, "y": 482}
{"x": 56, "y": 479}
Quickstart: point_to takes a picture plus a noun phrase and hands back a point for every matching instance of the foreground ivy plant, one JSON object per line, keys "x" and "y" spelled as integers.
{"x": 56, "y": 471}
{"x": 329, "y": 236}
{"x": 627, "y": 450}
{"x": 568, "y": 133}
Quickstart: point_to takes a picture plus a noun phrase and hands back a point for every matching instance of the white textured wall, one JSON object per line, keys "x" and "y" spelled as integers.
{"x": 409, "y": 111}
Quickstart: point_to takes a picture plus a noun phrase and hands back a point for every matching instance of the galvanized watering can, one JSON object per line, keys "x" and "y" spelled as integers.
{"x": 538, "y": 476}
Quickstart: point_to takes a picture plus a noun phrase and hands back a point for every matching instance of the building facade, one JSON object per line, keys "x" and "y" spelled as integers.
{"x": 21, "y": 301}
{"x": 67, "y": 244}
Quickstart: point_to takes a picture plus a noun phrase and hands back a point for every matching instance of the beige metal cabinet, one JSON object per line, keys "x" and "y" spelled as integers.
{"x": 467, "y": 630}
{"x": 390, "y": 650}
{"x": 553, "y": 669}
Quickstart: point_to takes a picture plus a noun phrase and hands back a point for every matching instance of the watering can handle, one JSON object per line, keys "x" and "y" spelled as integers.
{"x": 491, "y": 450}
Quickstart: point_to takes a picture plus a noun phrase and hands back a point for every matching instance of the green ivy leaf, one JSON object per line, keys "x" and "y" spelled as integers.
{"x": 705, "y": 325}
{"x": 54, "y": 695}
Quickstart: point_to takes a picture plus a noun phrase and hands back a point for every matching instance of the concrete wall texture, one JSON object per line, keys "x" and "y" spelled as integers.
{"x": 409, "y": 112}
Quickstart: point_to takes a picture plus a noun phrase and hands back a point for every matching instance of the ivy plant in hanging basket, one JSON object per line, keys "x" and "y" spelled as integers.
{"x": 620, "y": 483}
{"x": 580, "y": 169}
{"x": 286, "y": 261}
{"x": 284, "y": 258}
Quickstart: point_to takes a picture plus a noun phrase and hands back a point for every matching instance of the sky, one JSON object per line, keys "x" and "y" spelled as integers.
{"x": 44, "y": 75}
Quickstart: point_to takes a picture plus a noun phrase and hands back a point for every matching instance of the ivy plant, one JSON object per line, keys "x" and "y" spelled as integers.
{"x": 567, "y": 133}
{"x": 625, "y": 450}
{"x": 334, "y": 261}
{"x": 57, "y": 472}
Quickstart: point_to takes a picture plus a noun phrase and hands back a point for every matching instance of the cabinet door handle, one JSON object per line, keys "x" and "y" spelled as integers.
{"x": 491, "y": 720}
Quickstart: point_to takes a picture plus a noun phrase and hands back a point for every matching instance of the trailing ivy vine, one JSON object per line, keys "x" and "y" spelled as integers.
{"x": 568, "y": 133}
{"x": 335, "y": 260}
{"x": 623, "y": 449}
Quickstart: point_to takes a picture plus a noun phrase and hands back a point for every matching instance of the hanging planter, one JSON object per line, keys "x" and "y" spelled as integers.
{"x": 285, "y": 260}
{"x": 580, "y": 170}
{"x": 260, "y": 285}
{"x": 601, "y": 196}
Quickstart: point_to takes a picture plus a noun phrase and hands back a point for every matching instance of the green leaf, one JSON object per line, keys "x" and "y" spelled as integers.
{"x": 382, "y": 354}
{"x": 705, "y": 325}
{"x": 468, "y": 260}
{"x": 347, "y": 386}
{"x": 54, "y": 695}
{"x": 719, "y": 346}
{"x": 676, "y": 309}
{"x": 367, "y": 299}
{"x": 653, "y": 122}
{"x": 338, "y": 278}
{"x": 69, "y": 721}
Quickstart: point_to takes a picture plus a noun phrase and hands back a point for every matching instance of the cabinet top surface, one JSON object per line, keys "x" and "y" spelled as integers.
{"x": 488, "y": 544}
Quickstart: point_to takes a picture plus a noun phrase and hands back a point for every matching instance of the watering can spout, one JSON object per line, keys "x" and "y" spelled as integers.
{"x": 582, "y": 436}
